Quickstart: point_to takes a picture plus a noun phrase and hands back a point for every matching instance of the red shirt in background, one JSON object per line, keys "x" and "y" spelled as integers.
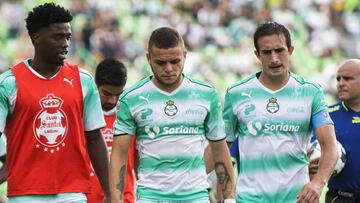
{"x": 96, "y": 195}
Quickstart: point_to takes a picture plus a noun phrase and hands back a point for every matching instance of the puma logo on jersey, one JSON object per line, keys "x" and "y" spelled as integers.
{"x": 69, "y": 81}
{"x": 145, "y": 98}
{"x": 246, "y": 94}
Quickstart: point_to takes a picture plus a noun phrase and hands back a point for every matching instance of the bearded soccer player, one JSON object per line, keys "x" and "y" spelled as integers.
{"x": 110, "y": 78}
{"x": 273, "y": 113}
{"x": 172, "y": 116}
{"x": 51, "y": 115}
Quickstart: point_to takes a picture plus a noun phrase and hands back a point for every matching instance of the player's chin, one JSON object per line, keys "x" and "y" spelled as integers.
{"x": 343, "y": 95}
{"x": 59, "y": 62}
{"x": 108, "y": 107}
{"x": 168, "y": 80}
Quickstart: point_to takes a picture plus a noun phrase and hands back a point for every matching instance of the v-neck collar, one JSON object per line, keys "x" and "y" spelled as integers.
{"x": 185, "y": 80}
{"x": 258, "y": 83}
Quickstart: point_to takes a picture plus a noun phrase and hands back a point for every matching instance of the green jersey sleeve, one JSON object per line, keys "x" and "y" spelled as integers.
{"x": 214, "y": 124}
{"x": 7, "y": 96}
{"x": 318, "y": 102}
{"x": 2, "y": 145}
{"x": 93, "y": 115}
{"x": 230, "y": 118}
{"x": 125, "y": 122}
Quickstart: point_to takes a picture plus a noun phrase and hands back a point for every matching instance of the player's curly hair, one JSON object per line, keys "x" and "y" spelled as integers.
{"x": 46, "y": 14}
{"x": 110, "y": 71}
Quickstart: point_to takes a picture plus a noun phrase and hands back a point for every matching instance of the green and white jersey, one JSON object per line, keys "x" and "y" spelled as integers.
{"x": 2, "y": 145}
{"x": 273, "y": 128}
{"x": 171, "y": 131}
{"x": 93, "y": 115}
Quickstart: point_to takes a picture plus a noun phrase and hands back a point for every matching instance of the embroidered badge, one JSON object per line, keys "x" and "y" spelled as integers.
{"x": 272, "y": 106}
{"x": 170, "y": 108}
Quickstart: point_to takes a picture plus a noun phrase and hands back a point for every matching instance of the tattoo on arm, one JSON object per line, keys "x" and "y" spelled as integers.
{"x": 121, "y": 184}
{"x": 222, "y": 177}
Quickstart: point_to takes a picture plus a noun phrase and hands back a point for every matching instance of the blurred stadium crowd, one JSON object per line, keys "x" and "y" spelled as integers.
{"x": 217, "y": 33}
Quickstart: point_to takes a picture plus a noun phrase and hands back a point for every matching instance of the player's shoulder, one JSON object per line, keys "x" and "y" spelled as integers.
{"x": 303, "y": 82}
{"x": 335, "y": 107}
{"x": 241, "y": 83}
{"x": 7, "y": 83}
{"x": 85, "y": 75}
{"x": 197, "y": 82}
{"x": 7, "y": 80}
{"x": 6, "y": 77}
{"x": 135, "y": 87}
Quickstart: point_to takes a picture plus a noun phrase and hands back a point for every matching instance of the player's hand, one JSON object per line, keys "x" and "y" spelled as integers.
{"x": 310, "y": 193}
{"x": 115, "y": 199}
{"x": 313, "y": 164}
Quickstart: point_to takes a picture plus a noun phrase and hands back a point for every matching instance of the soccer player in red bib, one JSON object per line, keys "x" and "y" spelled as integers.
{"x": 51, "y": 115}
{"x": 111, "y": 79}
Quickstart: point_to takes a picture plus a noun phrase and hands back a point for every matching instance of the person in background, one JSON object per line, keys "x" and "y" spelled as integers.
{"x": 172, "y": 116}
{"x": 51, "y": 115}
{"x": 110, "y": 78}
{"x": 273, "y": 112}
{"x": 345, "y": 186}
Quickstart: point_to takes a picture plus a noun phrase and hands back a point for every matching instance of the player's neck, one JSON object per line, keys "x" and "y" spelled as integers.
{"x": 353, "y": 104}
{"x": 166, "y": 87}
{"x": 45, "y": 69}
{"x": 273, "y": 83}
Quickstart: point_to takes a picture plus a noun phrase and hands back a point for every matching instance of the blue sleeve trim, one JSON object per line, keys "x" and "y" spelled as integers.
{"x": 234, "y": 149}
{"x": 321, "y": 118}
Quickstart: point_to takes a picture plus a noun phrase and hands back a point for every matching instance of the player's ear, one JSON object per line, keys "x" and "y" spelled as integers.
{"x": 290, "y": 50}
{"x": 35, "y": 37}
{"x": 257, "y": 54}
{"x": 148, "y": 56}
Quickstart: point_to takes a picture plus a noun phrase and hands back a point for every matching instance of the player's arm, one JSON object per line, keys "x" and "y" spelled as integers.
{"x": 208, "y": 159}
{"x": 223, "y": 168}
{"x": 329, "y": 155}
{"x": 313, "y": 164}
{"x": 325, "y": 134}
{"x": 136, "y": 161}
{"x": 93, "y": 121}
{"x": 3, "y": 169}
{"x": 99, "y": 158}
{"x": 117, "y": 169}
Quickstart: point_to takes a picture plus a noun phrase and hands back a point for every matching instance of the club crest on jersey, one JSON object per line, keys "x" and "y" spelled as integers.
{"x": 272, "y": 106}
{"x": 170, "y": 108}
{"x": 50, "y": 124}
{"x": 108, "y": 136}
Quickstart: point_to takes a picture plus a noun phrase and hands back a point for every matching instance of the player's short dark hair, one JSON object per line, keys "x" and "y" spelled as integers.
{"x": 165, "y": 38}
{"x": 271, "y": 28}
{"x": 46, "y": 14}
{"x": 110, "y": 71}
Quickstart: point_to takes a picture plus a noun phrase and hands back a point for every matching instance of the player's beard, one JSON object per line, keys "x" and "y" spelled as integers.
{"x": 59, "y": 62}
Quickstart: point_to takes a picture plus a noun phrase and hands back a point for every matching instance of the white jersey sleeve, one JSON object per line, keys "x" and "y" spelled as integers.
{"x": 93, "y": 115}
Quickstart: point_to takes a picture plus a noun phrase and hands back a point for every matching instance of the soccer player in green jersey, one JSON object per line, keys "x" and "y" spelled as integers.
{"x": 172, "y": 116}
{"x": 273, "y": 113}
